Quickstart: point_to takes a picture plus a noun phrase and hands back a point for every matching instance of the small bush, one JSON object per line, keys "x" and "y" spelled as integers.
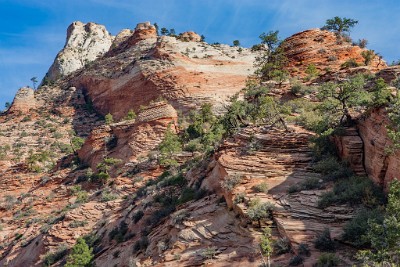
{"x": 208, "y": 253}
{"x": 258, "y": 210}
{"x": 353, "y": 191}
{"x": 54, "y": 256}
{"x": 282, "y": 246}
{"x": 356, "y": 229}
{"x": 324, "y": 241}
{"x": 81, "y": 254}
{"x": 332, "y": 169}
{"x": 239, "y": 198}
{"x": 261, "y": 188}
{"x": 231, "y": 181}
{"x": 350, "y": 63}
{"x": 137, "y": 216}
{"x": 303, "y": 250}
{"x": 296, "y": 260}
{"x": 327, "y": 260}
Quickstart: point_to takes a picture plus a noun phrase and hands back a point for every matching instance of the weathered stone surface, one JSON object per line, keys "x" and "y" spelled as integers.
{"x": 24, "y": 100}
{"x": 144, "y": 68}
{"x": 85, "y": 43}
{"x": 129, "y": 140}
{"x": 351, "y": 149}
{"x": 382, "y": 167}
{"x": 324, "y": 50}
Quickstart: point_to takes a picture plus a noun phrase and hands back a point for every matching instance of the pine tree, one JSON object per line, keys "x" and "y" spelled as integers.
{"x": 81, "y": 255}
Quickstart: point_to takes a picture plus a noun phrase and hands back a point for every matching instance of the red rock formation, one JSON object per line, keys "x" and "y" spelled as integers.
{"x": 324, "y": 50}
{"x": 350, "y": 148}
{"x": 143, "y": 68}
{"x": 129, "y": 140}
{"x": 381, "y": 166}
{"x": 24, "y": 100}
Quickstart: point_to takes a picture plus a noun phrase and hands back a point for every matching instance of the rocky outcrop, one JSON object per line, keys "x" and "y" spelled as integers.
{"x": 85, "y": 43}
{"x": 324, "y": 50}
{"x": 381, "y": 165}
{"x": 129, "y": 140}
{"x": 24, "y": 100}
{"x": 143, "y": 68}
{"x": 350, "y": 148}
{"x": 190, "y": 36}
{"x": 389, "y": 74}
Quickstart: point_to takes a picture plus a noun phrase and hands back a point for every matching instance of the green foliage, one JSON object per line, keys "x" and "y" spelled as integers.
{"x": 368, "y": 56}
{"x": 353, "y": 191}
{"x": 170, "y": 145}
{"x": 107, "y": 164}
{"x": 350, "y": 63}
{"x": 236, "y": 43}
{"x": 119, "y": 232}
{"x": 385, "y": 236}
{"x": 327, "y": 260}
{"x": 108, "y": 119}
{"x": 324, "y": 241}
{"x": 332, "y": 169}
{"x": 312, "y": 72}
{"x": 338, "y": 99}
{"x": 130, "y": 116}
{"x": 355, "y": 231}
{"x": 261, "y": 188}
{"x": 308, "y": 184}
{"x": 54, "y": 256}
{"x": 339, "y": 25}
{"x": 231, "y": 181}
{"x": 282, "y": 246}
{"x": 270, "y": 64}
{"x": 266, "y": 242}
{"x": 77, "y": 142}
{"x": 81, "y": 255}
{"x": 296, "y": 260}
{"x": 259, "y": 210}
{"x": 381, "y": 94}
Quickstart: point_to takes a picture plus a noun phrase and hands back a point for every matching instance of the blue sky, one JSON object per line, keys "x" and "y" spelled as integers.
{"x": 33, "y": 31}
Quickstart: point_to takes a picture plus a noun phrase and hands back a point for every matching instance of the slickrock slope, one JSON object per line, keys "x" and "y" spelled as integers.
{"x": 85, "y": 43}
{"x": 324, "y": 50}
{"x": 281, "y": 160}
{"x": 145, "y": 67}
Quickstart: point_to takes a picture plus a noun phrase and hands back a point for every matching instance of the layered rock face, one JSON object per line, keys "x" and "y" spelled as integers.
{"x": 380, "y": 165}
{"x": 85, "y": 43}
{"x": 129, "y": 140}
{"x": 145, "y": 67}
{"x": 324, "y": 50}
{"x": 24, "y": 100}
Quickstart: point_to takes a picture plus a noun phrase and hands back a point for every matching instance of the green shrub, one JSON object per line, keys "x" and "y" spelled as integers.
{"x": 303, "y": 250}
{"x": 332, "y": 169}
{"x": 327, "y": 260}
{"x": 119, "y": 232}
{"x": 350, "y": 63}
{"x": 282, "y": 246}
{"x": 324, "y": 241}
{"x": 81, "y": 254}
{"x": 108, "y": 119}
{"x": 137, "y": 216}
{"x": 231, "y": 181}
{"x": 296, "y": 260}
{"x": 356, "y": 229}
{"x": 259, "y": 210}
{"x": 353, "y": 191}
{"x": 239, "y": 198}
{"x": 261, "y": 188}
{"x": 54, "y": 256}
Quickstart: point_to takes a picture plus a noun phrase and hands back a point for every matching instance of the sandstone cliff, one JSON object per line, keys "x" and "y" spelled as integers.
{"x": 85, "y": 43}
{"x": 145, "y": 67}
